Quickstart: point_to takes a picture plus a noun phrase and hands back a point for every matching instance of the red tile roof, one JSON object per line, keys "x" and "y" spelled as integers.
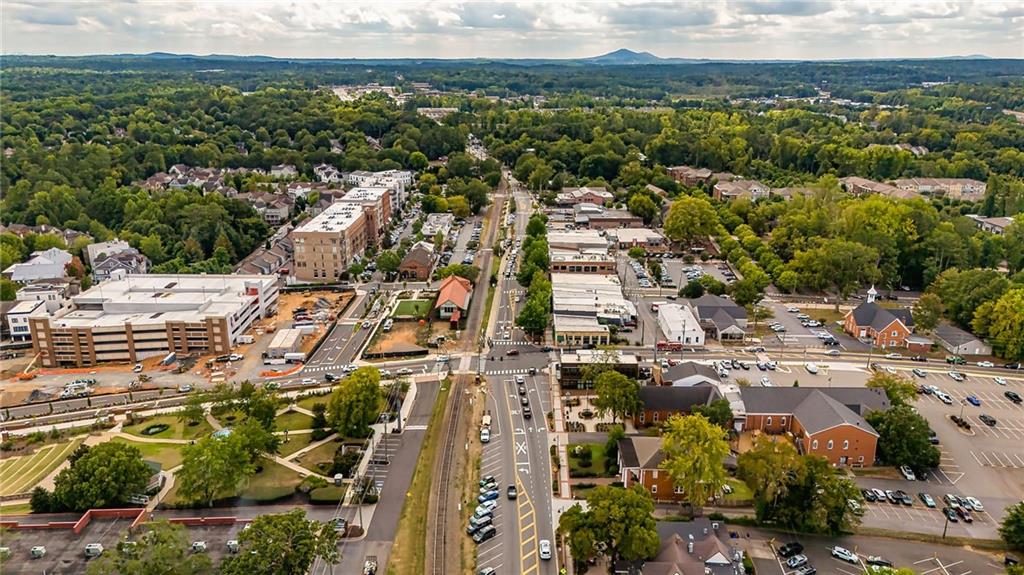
{"x": 456, "y": 290}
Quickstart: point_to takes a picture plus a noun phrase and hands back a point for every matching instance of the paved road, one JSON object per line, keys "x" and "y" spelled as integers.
{"x": 518, "y": 451}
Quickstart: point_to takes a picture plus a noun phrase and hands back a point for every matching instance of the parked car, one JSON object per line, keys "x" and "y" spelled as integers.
{"x": 975, "y": 504}
{"x": 845, "y": 555}
{"x": 893, "y": 356}
{"x": 879, "y": 561}
{"x": 796, "y": 561}
{"x": 987, "y": 420}
{"x": 489, "y": 496}
{"x": 956, "y": 375}
{"x": 950, "y": 515}
{"x": 926, "y": 499}
{"x": 790, "y": 549}
{"x": 37, "y": 552}
{"x": 965, "y": 514}
{"x": 919, "y": 372}
{"x": 999, "y": 380}
{"x": 973, "y": 400}
{"x": 986, "y": 364}
{"x": 869, "y": 495}
{"x": 907, "y": 473}
{"x": 484, "y": 534}
{"x": 811, "y": 368}
{"x": 485, "y": 435}
{"x": 765, "y": 382}
{"x": 1013, "y": 396}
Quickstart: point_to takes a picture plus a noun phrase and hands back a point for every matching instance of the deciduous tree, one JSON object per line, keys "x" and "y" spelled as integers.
{"x": 107, "y": 474}
{"x": 1012, "y": 529}
{"x": 903, "y": 438}
{"x": 282, "y": 544}
{"x": 163, "y": 549}
{"x": 927, "y": 312}
{"x": 355, "y": 404}
{"x": 695, "y": 451}
{"x": 212, "y": 467}
{"x": 616, "y": 394}
{"x": 690, "y": 219}
{"x": 619, "y": 521}
{"x": 899, "y": 389}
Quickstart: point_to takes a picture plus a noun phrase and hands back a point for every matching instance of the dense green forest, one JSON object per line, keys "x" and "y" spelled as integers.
{"x": 80, "y": 133}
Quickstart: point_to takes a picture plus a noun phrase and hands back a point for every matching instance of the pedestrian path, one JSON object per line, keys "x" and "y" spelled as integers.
{"x": 507, "y": 371}
{"x": 498, "y": 342}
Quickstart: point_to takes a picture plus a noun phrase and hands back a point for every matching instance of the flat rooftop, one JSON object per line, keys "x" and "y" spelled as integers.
{"x": 598, "y": 356}
{"x": 338, "y": 217}
{"x": 576, "y": 323}
{"x": 367, "y": 194}
{"x": 147, "y": 299}
{"x": 635, "y": 234}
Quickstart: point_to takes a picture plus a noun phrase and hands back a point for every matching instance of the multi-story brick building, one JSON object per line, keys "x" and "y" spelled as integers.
{"x": 326, "y": 245}
{"x": 138, "y": 316}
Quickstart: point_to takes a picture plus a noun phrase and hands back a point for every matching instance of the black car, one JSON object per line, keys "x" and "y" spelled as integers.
{"x": 527, "y": 412}
{"x": 904, "y": 498}
{"x": 735, "y": 364}
{"x": 512, "y": 492}
{"x": 524, "y": 400}
{"x": 881, "y": 562}
{"x": 950, "y": 515}
{"x": 790, "y": 549}
{"x": 1013, "y": 396}
{"x": 868, "y": 495}
{"x": 1015, "y": 365}
{"x": 330, "y": 377}
{"x": 919, "y": 358}
{"x": 892, "y": 497}
{"x": 484, "y": 534}
{"x": 987, "y": 420}
{"x": 522, "y": 390}
{"x": 547, "y": 348}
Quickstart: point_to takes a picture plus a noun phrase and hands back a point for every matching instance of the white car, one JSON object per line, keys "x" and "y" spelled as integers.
{"x": 93, "y": 550}
{"x": 792, "y": 309}
{"x": 404, "y": 371}
{"x": 893, "y": 356}
{"x": 308, "y": 381}
{"x": 137, "y": 368}
{"x": 833, "y": 353}
{"x": 845, "y": 554}
{"x": 944, "y": 398}
{"x": 765, "y": 382}
{"x": 986, "y": 364}
{"x": 485, "y": 435}
{"x": 442, "y": 358}
{"x": 1000, "y": 381}
{"x": 199, "y": 546}
{"x": 907, "y": 473}
{"x": 37, "y": 552}
{"x": 811, "y": 368}
{"x": 891, "y": 370}
{"x": 975, "y": 504}
{"x": 545, "y": 549}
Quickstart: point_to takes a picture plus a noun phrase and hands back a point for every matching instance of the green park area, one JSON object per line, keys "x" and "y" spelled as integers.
{"x": 413, "y": 308}
{"x": 168, "y": 427}
{"x": 20, "y": 474}
{"x": 168, "y": 455}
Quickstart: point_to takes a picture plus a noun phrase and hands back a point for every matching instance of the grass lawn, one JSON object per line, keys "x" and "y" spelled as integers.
{"x": 740, "y": 491}
{"x": 177, "y": 429}
{"x": 308, "y": 402}
{"x": 168, "y": 455}
{"x": 413, "y": 307}
{"x": 292, "y": 420}
{"x": 21, "y": 474}
{"x": 296, "y": 441}
{"x": 274, "y": 482}
{"x": 324, "y": 452}
{"x": 830, "y": 315}
{"x": 408, "y": 555}
{"x": 329, "y": 494}
{"x": 599, "y": 461}
{"x": 15, "y": 509}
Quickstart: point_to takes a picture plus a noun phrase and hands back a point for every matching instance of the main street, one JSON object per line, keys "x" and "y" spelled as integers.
{"x": 517, "y": 454}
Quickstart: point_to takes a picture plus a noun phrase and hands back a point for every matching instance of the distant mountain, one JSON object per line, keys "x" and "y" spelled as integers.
{"x": 623, "y": 57}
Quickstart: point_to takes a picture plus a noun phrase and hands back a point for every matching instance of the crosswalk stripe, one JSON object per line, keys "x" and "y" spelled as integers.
{"x": 507, "y": 371}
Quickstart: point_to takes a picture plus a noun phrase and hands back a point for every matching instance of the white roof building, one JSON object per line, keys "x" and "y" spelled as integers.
{"x": 679, "y": 324}
{"x": 44, "y": 265}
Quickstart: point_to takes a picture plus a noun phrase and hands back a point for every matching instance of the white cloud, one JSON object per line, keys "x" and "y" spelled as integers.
{"x": 728, "y": 29}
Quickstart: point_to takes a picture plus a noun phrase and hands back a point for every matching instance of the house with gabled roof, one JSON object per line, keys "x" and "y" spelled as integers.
{"x": 883, "y": 327}
{"x": 698, "y": 547}
{"x": 659, "y": 402}
{"x": 418, "y": 262}
{"x": 453, "y": 299}
{"x": 721, "y": 318}
{"x": 822, "y": 421}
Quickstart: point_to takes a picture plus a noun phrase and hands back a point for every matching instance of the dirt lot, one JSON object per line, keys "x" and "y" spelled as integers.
{"x": 287, "y": 302}
{"x": 408, "y": 334}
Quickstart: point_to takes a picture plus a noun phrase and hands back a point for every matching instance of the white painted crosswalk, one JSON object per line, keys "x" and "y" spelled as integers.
{"x": 508, "y": 342}
{"x": 507, "y": 371}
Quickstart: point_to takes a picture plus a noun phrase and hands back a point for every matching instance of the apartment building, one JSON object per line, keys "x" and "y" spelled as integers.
{"x": 957, "y": 188}
{"x": 133, "y": 317}
{"x": 376, "y": 204}
{"x": 326, "y": 245}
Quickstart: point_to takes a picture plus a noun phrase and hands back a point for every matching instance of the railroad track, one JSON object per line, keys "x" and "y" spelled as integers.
{"x": 443, "y": 483}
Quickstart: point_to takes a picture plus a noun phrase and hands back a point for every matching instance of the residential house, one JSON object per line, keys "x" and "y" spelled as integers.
{"x": 733, "y": 189}
{"x": 679, "y": 324}
{"x": 788, "y": 193}
{"x": 129, "y": 261}
{"x": 100, "y": 250}
{"x": 884, "y": 327}
{"x": 691, "y": 177}
{"x": 275, "y": 259}
{"x": 656, "y": 190}
{"x": 721, "y": 318}
{"x": 639, "y": 459}
{"x": 296, "y": 190}
{"x": 964, "y": 189}
{"x": 698, "y": 547}
{"x": 327, "y": 173}
{"x": 658, "y": 402}
{"x": 453, "y": 299}
{"x": 584, "y": 195}
{"x": 862, "y": 186}
{"x": 960, "y": 342}
{"x": 43, "y": 265}
{"x": 284, "y": 171}
{"x": 418, "y": 262}
{"x": 995, "y": 225}
{"x": 825, "y": 421}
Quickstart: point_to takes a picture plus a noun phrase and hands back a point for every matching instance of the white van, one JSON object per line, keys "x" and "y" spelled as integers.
{"x": 93, "y": 550}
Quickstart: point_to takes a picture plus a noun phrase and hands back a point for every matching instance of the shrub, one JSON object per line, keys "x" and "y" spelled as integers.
{"x": 320, "y": 433}
{"x": 344, "y": 461}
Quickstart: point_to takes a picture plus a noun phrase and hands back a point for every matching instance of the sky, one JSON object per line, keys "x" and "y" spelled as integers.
{"x": 723, "y": 29}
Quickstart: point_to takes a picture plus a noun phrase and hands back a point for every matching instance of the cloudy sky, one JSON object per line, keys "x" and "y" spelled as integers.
{"x": 733, "y": 29}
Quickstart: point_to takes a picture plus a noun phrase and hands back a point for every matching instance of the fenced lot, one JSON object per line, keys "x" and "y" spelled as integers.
{"x": 20, "y": 474}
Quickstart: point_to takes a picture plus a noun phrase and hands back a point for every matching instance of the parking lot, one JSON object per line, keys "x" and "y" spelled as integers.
{"x": 922, "y": 558}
